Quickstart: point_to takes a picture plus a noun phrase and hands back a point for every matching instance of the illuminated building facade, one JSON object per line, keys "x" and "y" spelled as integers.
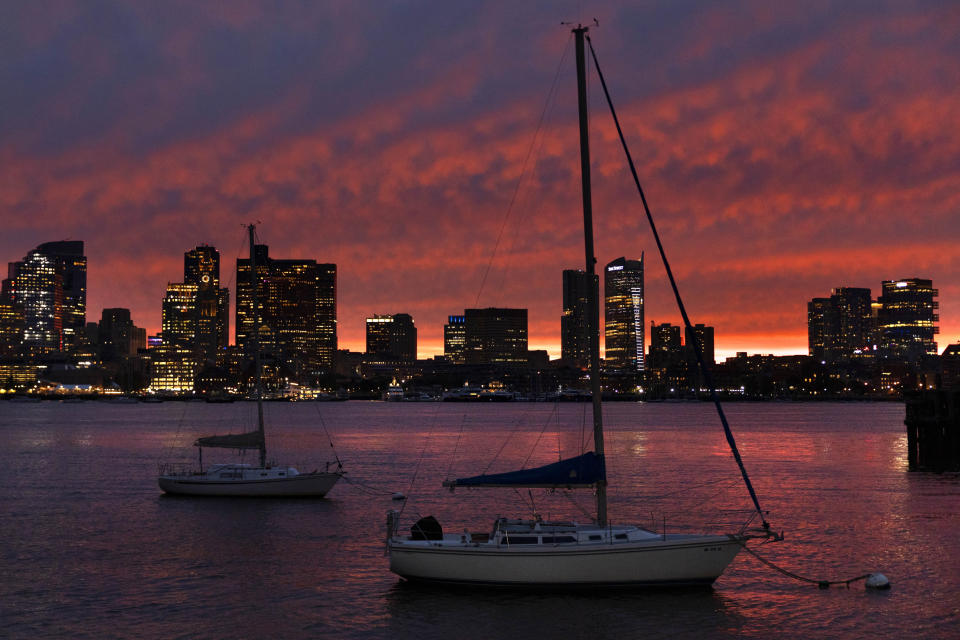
{"x": 298, "y": 302}
{"x": 11, "y": 327}
{"x": 496, "y": 335}
{"x": 665, "y": 345}
{"x": 841, "y": 326}
{"x": 907, "y": 319}
{"x": 201, "y": 267}
{"x": 574, "y": 325}
{"x": 703, "y": 335}
{"x": 455, "y": 339}
{"x": 172, "y": 369}
{"x": 50, "y": 285}
{"x": 179, "y": 319}
{"x": 392, "y": 338}
{"x": 623, "y": 315}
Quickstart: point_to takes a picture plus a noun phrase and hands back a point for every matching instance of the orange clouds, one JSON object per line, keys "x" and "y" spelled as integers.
{"x": 782, "y": 155}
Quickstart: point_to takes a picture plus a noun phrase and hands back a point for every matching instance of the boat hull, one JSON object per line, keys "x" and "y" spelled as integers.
{"x": 315, "y": 485}
{"x": 676, "y": 561}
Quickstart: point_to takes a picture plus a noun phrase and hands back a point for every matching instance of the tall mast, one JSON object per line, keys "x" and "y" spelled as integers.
{"x": 258, "y": 388}
{"x": 593, "y": 303}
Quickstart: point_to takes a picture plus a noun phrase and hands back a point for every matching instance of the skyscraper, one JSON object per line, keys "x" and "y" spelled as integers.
{"x": 841, "y": 326}
{"x": 455, "y": 339}
{"x": 495, "y": 335}
{"x": 574, "y": 325}
{"x": 116, "y": 334}
{"x": 392, "y": 338}
{"x": 50, "y": 285}
{"x": 908, "y": 319}
{"x": 702, "y": 335}
{"x": 297, "y": 300}
{"x": 201, "y": 267}
{"x": 623, "y": 315}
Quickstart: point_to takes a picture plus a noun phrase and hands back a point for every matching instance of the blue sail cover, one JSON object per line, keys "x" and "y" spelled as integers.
{"x": 582, "y": 471}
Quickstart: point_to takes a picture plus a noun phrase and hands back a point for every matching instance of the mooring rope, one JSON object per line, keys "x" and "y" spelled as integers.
{"x": 823, "y": 584}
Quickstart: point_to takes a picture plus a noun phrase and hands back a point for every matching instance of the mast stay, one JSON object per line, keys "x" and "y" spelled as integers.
{"x": 707, "y": 377}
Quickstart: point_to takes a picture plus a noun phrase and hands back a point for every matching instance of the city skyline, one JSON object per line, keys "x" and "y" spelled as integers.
{"x": 786, "y": 151}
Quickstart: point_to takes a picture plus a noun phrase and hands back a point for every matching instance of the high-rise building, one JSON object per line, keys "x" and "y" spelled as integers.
{"x": 495, "y": 335}
{"x": 665, "y": 345}
{"x": 179, "y": 316}
{"x": 455, "y": 339}
{"x": 115, "y": 335}
{"x": 297, "y": 300}
{"x": 702, "y": 335}
{"x": 50, "y": 285}
{"x": 623, "y": 315}
{"x": 11, "y": 327}
{"x": 907, "y": 319}
{"x": 201, "y": 267}
{"x": 841, "y": 326}
{"x": 392, "y": 338}
{"x": 574, "y": 323}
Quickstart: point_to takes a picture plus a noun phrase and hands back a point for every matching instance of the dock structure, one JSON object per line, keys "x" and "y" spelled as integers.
{"x": 933, "y": 430}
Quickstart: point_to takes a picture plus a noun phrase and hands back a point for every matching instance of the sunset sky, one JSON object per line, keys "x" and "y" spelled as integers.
{"x": 785, "y": 148}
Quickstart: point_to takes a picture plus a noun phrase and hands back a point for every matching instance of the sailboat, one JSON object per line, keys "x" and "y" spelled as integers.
{"x": 246, "y": 480}
{"x": 539, "y": 554}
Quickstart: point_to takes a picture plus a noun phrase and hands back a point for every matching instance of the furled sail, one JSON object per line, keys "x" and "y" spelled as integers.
{"x": 251, "y": 440}
{"x": 582, "y": 471}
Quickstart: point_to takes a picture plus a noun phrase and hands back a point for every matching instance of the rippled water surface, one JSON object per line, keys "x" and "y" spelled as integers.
{"x": 92, "y": 549}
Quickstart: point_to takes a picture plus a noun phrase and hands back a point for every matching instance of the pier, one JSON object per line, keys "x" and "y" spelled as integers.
{"x": 933, "y": 430}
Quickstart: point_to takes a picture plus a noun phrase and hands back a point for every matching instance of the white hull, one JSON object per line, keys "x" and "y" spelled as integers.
{"x": 681, "y": 560}
{"x": 210, "y": 484}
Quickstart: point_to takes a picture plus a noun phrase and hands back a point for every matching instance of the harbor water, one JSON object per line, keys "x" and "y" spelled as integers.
{"x": 92, "y": 549}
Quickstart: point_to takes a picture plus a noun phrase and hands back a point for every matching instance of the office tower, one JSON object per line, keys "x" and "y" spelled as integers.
{"x": 297, "y": 300}
{"x": 703, "y": 335}
{"x": 392, "y": 338}
{"x": 821, "y": 320}
{"x": 841, "y": 326}
{"x": 665, "y": 346}
{"x": 455, "y": 339}
{"x": 179, "y": 316}
{"x": 574, "y": 323}
{"x": 115, "y": 335}
{"x": 907, "y": 319}
{"x": 496, "y": 336}
{"x": 50, "y": 285}
{"x": 11, "y": 327}
{"x": 201, "y": 267}
{"x": 623, "y": 315}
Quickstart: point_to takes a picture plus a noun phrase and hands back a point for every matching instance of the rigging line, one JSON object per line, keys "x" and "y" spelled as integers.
{"x": 503, "y": 446}
{"x": 533, "y": 448}
{"x": 708, "y": 379}
{"x": 323, "y": 424}
{"x": 523, "y": 172}
{"x": 456, "y": 446}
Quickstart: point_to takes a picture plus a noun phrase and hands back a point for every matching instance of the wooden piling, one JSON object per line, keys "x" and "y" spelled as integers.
{"x": 933, "y": 430}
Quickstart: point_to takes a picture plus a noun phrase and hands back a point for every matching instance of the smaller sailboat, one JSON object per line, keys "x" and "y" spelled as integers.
{"x": 246, "y": 480}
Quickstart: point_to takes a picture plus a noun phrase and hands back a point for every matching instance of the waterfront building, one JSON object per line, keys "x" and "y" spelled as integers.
{"x": 172, "y": 369}
{"x": 574, "y": 323}
{"x": 11, "y": 327}
{"x": 50, "y": 285}
{"x": 703, "y": 335}
{"x": 201, "y": 267}
{"x": 665, "y": 344}
{"x": 623, "y": 315}
{"x": 391, "y": 338}
{"x": 907, "y": 319}
{"x": 841, "y": 326}
{"x": 115, "y": 335}
{"x": 455, "y": 339}
{"x": 297, "y": 300}
{"x": 496, "y": 335}
{"x": 179, "y": 316}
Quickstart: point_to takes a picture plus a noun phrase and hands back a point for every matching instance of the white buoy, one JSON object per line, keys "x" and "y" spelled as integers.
{"x": 877, "y": 581}
{"x": 398, "y": 496}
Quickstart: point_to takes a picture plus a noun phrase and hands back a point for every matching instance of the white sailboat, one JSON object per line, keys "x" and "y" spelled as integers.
{"x": 538, "y": 554}
{"x": 246, "y": 480}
